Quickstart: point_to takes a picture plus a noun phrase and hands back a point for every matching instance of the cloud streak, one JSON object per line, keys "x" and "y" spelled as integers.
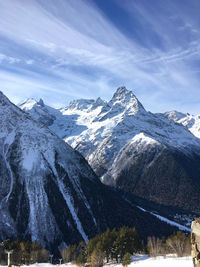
{"x": 62, "y": 50}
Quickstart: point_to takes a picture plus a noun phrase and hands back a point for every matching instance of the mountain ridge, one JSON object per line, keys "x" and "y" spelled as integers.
{"x": 126, "y": 145}
{"x": 50, "y": 194}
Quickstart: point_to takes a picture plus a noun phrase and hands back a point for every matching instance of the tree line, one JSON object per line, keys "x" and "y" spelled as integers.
{"x": 178, "y": 243}
{"x": 119, "y": 245}
{"x": 112, "y": 245}
{"x": 23, "y": 252}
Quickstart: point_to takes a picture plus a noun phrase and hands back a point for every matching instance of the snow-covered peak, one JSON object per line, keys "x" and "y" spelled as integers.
{"x": 83, "y": 104}
{"x": 39, "y": 111}
{"x": 125, "y": 96}
{"x": 122, "y": 93}
{"x": 80, "y": 104}
{"x": 126, "y": 99}
{"x": 174, "y": 115}
{"x": 123, "y": 103}
{"x": 192, "y": 122}
{"x": 27, "y": 104}
{"x": 124, "y": 143}
{"x": 37, "y": 166}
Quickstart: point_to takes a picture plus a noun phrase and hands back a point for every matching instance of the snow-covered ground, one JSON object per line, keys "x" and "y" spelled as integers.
{"x": 139, "y": 261}
{"x": 168, "y": 261}
{"x": 145, "y": 261}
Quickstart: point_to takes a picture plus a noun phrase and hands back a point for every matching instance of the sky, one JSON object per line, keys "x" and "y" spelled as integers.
{"x": 60, "y": 50}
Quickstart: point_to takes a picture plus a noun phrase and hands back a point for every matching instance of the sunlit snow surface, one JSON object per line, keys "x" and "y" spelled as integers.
{"x": 170, "y": 261}
{"x": 192, "y": 122}
{"x": 140, "y": 261}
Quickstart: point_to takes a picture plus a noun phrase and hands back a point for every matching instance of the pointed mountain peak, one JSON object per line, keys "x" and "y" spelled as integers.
{"x": 41, "y": 102}
{"x": 174, "y": 115}
{"x": 99, "y": 101}
{"x": 123, "y": 94}
{"x": 27, "y": 104}
{"x": 122, "y": 90}
{"x": 127, "y": 99}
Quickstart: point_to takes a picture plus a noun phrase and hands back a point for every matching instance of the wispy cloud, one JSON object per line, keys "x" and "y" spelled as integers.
{"x": 11, "y": 60}
{"x": 69, "y": 49}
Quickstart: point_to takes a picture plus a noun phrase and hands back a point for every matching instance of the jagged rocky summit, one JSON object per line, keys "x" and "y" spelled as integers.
{"x": 149, "y": 155}
{"x": 49, "y": 193}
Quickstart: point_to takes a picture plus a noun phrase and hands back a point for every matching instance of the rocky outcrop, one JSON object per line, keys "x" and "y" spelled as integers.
{"x": 195, "y": 239}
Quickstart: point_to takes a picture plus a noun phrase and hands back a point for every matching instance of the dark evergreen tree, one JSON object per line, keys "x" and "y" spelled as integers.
{"x": 126, "y": 259}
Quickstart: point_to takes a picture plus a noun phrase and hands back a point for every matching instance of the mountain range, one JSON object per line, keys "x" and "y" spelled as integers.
{"x": 48, "y": 191}
{"x": 155, "y": 157}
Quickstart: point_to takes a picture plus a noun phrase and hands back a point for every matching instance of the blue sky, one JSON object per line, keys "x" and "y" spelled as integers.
{"x": 61, "y": 50}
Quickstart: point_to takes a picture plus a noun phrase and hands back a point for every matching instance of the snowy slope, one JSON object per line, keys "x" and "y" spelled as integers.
{"x": 66, "y": 122}
{"x": 192, "y": 122}
{"x": 49, "y": 193}
{"x": 34, "y": 164}
{"x": 135, "y": 150}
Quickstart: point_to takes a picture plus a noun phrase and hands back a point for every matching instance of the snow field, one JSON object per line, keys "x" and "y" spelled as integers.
{"x": 139, "y": 261}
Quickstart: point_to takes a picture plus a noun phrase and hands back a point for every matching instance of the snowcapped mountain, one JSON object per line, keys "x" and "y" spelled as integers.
{"x": 49, "y": 193}
{"x": 66, "y": 122}
{"x": 140, "y": 152}
{"x": 192, "y": 122}
{"x": 40, "y": 181}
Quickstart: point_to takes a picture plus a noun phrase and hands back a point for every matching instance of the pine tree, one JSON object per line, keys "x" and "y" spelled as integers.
{"x": 96, "y": 259}
{"x": 126, "y": 259}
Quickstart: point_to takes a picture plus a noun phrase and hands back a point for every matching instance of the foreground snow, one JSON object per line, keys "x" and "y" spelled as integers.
{"x": 145, "y": 260}
{"x": 139, "y": 261}
{"x": 169, "y": 261}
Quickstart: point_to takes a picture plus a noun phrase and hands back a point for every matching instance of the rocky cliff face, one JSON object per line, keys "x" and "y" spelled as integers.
{"x": 195, "y": 240}
{"x": 49, "y": 193}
